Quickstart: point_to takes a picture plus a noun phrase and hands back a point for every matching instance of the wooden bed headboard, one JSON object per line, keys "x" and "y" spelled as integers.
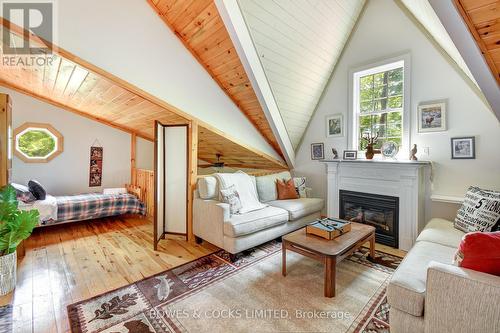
{"x": 135, "y": 190}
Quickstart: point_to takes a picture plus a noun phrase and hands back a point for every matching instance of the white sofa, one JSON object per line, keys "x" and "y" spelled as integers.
{"x": 213, "y": 222}
{"x": 427, "y": 293}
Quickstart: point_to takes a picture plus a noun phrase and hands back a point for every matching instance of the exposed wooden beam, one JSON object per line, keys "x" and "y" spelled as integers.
{"x": 133, "y": 149}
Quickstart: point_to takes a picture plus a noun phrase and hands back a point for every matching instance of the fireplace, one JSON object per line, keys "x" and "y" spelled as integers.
{"x": 380, "y": 211}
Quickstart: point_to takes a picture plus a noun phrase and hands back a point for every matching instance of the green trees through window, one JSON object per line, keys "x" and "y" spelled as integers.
{"x": 381, "y": 106}
{"x": 36, "y": 143}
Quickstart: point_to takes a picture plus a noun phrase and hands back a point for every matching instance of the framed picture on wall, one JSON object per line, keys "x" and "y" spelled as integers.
{"x": 432, "y": 117}
{"x": 463, "y": 148}
{"x": 335, "y": 125}
{"x": 317, "y": 151}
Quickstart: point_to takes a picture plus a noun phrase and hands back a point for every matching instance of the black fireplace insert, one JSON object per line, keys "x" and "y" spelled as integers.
{"x": 380, "y": 211}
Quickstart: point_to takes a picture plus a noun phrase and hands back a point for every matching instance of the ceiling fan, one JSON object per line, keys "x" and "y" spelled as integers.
{"x": 218, "y": 164}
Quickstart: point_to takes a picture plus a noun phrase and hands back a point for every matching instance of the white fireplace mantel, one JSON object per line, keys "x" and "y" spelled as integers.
{"x": 407, "y": 180}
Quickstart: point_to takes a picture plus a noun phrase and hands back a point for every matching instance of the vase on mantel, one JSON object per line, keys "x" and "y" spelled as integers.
{"x": 369, "y": 152}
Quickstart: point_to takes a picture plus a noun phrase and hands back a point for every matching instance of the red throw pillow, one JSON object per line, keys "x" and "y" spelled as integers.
{"x": 286, "y": 189}
{"x": 480, "y": 251}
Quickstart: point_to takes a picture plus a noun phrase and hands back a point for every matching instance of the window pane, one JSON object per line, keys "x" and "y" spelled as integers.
{"x": 366, "y": 106}
{"x": 394, "y": 130}
{"x": 396, "y": 89}
{"x": 366, "y": 95}
{"x": 394, "y": 117}
{"x": 36, "y": 143}
{"x": 380, "y": 92}
{"x": 366, "y": 82}
{"x": 380, "y": 104}
{"x": 395, "y": 102}
{"x": 380, "y": 79}
{"x": 396, "y": 75}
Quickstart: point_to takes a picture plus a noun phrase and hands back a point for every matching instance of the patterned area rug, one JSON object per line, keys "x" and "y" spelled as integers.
{"x": 213, "y": 294}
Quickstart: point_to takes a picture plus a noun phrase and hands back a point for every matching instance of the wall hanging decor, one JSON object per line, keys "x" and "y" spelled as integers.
{"x": 95, "y": 178}
{"x": 317, "y": 151}
{"x": 335, "y": 125}
{"x": 432, "y": 117}
{"x": 463, "y": 148}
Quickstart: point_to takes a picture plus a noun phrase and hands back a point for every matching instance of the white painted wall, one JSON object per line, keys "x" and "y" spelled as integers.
{"x": 144, "y": 158}
{"x": 385, "y": 30}
{"x": 68, "y": 173}
{"x": 128, "y": 39}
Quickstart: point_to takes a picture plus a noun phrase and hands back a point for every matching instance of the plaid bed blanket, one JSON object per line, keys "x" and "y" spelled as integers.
{"x": 96, "y": 205}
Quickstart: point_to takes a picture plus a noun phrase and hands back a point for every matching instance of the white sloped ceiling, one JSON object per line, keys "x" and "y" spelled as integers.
{"x": 299, "y": 42}
{"x": 423, "y": 12}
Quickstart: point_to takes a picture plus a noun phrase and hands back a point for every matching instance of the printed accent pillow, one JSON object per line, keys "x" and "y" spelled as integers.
{"x": 480, "y": 211}
{"x": 37, "y": 189}
{"x": 23, "y": 193}
{"x": 231, "y": 197}
{"x": 286, "y": 189}
{"x": 300, "y": 186}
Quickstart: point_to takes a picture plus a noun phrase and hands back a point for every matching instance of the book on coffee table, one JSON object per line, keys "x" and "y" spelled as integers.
{"x": 328, "y": 228}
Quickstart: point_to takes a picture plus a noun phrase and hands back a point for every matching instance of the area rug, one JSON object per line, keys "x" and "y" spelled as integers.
{"x": 213, "y": 294}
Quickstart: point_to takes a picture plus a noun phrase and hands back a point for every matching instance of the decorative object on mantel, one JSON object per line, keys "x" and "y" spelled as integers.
{"x": 317, "y": 151}
{"x": 389, "y": 149}
{"x": 334, "y": 125}
{"x": 370, "y": 141}
{"x": 463, "y": 148}
{"x": 413, "y": 153}
{"x": 95, "y": 175}
{"x": 335, "y": 153}
{"x": 350, "y": 154}
{"x": 432, "y": 116}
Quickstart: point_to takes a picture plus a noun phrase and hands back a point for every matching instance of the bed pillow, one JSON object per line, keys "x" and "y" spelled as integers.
{"x": 115, "y": 190}
{"x": 23, "y": 193}
{"x": 480, "y": 211}
{"x": 37, "y": 189}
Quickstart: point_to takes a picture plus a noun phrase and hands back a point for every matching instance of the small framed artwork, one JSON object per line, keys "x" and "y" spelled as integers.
{"x": 432, "y": 117}
{"x": 317, "y": 151}
{"x": 463, "y": 148}
{"x": 335, "y": 125}
{"x": 350, "y": 154}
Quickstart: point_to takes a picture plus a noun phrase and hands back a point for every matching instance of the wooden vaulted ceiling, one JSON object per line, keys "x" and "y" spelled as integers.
{"x": 72, "y": 84}
{"x": 199, "y": 26}
{"x": 483, "y": 20}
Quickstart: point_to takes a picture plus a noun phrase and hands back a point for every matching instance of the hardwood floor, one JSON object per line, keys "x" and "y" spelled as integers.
{"x": 72, "y": 262}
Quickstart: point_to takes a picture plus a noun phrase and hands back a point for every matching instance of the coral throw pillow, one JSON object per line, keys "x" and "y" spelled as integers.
{"x": 286, "y": 189}
{"x": 480, "y": 251}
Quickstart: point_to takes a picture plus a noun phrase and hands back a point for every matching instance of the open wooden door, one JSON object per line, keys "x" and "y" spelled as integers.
{"x": 172, "y": 180}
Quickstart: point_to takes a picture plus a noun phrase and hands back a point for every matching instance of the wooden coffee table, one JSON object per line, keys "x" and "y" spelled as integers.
{"x": 330, "y": 252}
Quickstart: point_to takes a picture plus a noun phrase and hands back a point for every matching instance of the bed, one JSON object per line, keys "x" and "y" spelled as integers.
{"x": 62, "y": 209}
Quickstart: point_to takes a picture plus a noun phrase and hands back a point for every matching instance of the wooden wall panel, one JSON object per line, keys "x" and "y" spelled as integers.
{"x": 483, "y": 20}
{"x": 201, "y": 29}
{"x": 72, "y": 84}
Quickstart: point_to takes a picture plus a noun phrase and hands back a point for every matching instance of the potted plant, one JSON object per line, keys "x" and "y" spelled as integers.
{"x": 15, "y": 226}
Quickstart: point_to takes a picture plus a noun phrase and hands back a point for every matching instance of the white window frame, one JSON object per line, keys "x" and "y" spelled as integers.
{"x": 403, "y": 60}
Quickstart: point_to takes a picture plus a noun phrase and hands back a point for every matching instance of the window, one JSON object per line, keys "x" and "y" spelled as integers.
{"x": 379, "y": 105}
{"x": 37, "y": 142}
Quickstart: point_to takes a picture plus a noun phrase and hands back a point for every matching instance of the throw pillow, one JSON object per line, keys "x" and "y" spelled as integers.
{"x": 480, "y": 251}
{"x": 300, "y": 186}
{"x": 286, "y": 189}
{"x": 231, "y": 197}
{"x": 23, "y": 193}
{"x": 480, "y": 211}
{"x": 37, "y": 189}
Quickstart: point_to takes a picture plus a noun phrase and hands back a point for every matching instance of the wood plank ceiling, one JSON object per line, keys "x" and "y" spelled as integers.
{"x": 299, "y": 44}
{"x": 199, "y": 26}
{"x": 77, "y": 86}
{"x": 483, "y": 20}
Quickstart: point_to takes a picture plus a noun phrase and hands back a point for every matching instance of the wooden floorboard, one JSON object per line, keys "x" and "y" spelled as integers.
{"x": 72, "y": 262}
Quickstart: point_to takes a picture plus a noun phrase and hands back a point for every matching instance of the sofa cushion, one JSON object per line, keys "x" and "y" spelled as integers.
{"x": 298, "y": 208}
{"x": 207, "y": 187}
{"x": 248, "y": 223}
{"x": 266, "y": 185}
{"x": 442, "y": 232}
{"x": 406, "y": 290}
